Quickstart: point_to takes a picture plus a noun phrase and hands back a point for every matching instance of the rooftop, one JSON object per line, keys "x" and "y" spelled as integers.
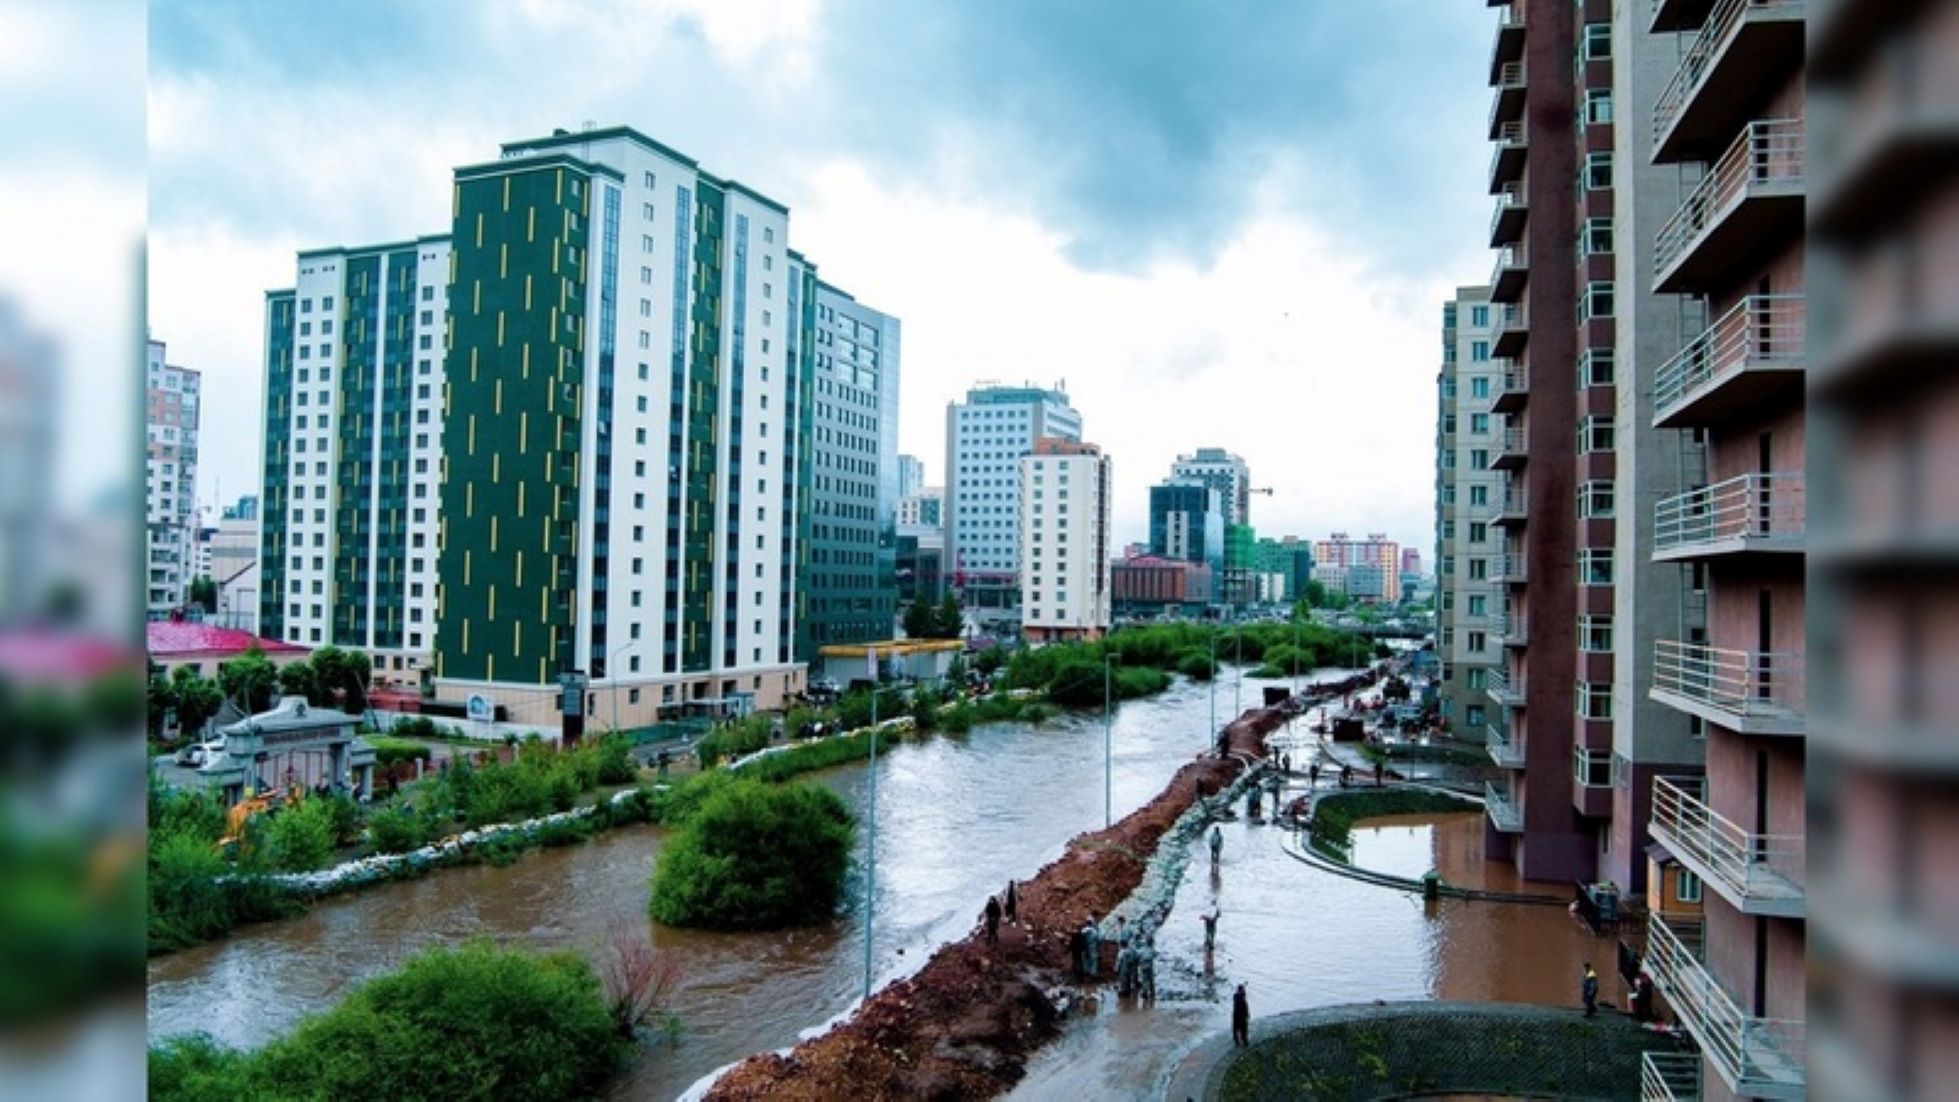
{"x": 185, "y": 638}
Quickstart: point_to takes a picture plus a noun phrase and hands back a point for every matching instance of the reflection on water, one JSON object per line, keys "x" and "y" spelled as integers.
{"x": 957, "y": 817}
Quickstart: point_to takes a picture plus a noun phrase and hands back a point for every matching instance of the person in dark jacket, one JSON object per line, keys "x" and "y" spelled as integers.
{"x": 992, "y": 919}
{"x": 1241, "y": 1018}
{"x": 1013, "y": 903}
{"x": 1588, "y": 989}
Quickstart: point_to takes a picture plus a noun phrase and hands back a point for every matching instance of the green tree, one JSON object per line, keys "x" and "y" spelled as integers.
{"x": 920, "y": 619}
{"x": 204, "y": 593}
{"x": 250, "y": 680}
{"x": 342, "y": 677}
{"x": 158, "y": 698}
{"x": 195, "y": 698}
{"x": 948, "y": 621}
{"x": 300, "y": 679}
{"x": 755, "y": 857}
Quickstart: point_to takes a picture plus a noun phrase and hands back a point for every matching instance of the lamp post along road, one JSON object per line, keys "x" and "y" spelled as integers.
{"x": 1108, "y": 749}
{"x": 870, "y": 862}
{"x": 613, "y": 676}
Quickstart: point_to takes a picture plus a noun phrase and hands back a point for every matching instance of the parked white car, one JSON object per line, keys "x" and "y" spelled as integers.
{"x": 197, "y": 753}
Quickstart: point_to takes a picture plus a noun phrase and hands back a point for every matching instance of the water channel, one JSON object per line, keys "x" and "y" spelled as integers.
{"x": 957, "y": 817}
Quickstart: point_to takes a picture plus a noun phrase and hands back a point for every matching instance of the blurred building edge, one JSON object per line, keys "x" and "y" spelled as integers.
{"x": 1884, "y": 559}
{"x": 29, "y": 393}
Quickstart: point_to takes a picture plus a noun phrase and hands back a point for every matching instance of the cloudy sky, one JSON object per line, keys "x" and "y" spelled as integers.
{"x": 1224, "y": 224}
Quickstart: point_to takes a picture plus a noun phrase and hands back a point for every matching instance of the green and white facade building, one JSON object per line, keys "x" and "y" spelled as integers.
{"x": 625, "y": 436}
{"x": 353, "y": 444}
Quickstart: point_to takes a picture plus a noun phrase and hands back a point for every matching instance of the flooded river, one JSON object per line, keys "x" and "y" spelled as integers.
{"x": 957, "y": 817}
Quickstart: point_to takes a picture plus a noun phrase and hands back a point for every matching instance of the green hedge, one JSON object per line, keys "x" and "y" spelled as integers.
{"x": 1335, "y": 815}
{"x": 477, "y": 1022}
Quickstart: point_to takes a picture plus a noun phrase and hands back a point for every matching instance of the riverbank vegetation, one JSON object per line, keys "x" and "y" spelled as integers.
{"x": 440, "y": 1028}
{"x": 755, "y": 856}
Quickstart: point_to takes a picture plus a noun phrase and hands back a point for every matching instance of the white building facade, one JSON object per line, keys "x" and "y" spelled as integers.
{"x": 986, "y": 437}
{"x": 172, "y": 403}
{"x": 1064, "y": 541}
{"x": 1224, "y": 472}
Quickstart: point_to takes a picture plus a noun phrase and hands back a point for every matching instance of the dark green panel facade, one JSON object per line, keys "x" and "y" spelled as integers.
{"x": 275, "y": 493}
{"x": 701, "y": 468}
{"x": 359, "y": 380}
{"x": 800, "y": 360}
{"x": 511, "y": 430}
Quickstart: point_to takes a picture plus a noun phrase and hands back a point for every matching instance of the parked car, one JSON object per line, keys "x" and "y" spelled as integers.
{"x": 197, "y": 753}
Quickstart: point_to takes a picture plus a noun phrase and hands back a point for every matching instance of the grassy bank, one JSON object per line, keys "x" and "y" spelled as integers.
{"x": 1335, "y": 815}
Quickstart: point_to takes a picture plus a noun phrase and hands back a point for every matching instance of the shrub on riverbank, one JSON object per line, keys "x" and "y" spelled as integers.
{"x": 1335, "y": 815}
{"x": 440, "y": 1028}
{"x": 540, "y": 781}
{"x": 755, "y": 856}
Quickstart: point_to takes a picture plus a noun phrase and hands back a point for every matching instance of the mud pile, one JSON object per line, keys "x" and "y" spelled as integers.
{"x": 965, "y": 1024}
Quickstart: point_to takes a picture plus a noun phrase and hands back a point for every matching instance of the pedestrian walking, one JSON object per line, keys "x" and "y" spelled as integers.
{"x": 1210, "y": 921}
{"x": 1313, "y": 774}
{"x": 1588, "y": 989}
{"x": 1091, "y": 948}
{"x": 1146, "y": 973}
{"x": 1285, "y": 763}
{"x": 992, "y": 919}
{"x": 1241, "y": 1018}
{"x": 1013, "y": 903}
{"x": 1380, "y": 773}
{"x": 1217, "y": 845}
{"x": 1078, "y": 952}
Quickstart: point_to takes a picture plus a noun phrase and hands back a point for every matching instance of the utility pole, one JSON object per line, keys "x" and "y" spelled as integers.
{"x": 1108, "y": 750}
{"x": 870, "y": 873}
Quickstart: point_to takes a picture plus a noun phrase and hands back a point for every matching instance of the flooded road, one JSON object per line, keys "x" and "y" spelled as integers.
{"x": 957, "y": 816}
{"x": 1299, "y": 937}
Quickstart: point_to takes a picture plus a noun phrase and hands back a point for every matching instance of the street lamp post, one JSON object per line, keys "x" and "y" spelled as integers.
{"x": 614, "y": 677}
{"x": 1214, "y": 683}
{"x": 870, "y": 863}
{"x": 1237, "y": 675}
{"x": 1108, "y": 749}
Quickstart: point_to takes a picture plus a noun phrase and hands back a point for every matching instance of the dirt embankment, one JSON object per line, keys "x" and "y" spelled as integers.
{"x": 965, "y": 1024}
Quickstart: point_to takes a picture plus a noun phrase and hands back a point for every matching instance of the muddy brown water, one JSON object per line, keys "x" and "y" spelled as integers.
{"x": 956, "y": 818}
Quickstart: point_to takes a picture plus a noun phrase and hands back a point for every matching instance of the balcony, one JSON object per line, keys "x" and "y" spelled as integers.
{"x": 1512, "y": 388}
{"x": 1512, "y": 271}
{"x": 1677, "y": 15}
{"x": 1741, "y": 52}
{"x": 1509, "y": 44}
{"x": 1505, "y": 815}
{"x": 1755, "y": 1057}
{"x": 1761, "y": 874}
{"x": 1669, "y": 1076}
{"x": 1516, "y": 630}
{"x": 1513, "y": 568}
{"x": 1753, "y": 351}
{"x": 1512, "y": 332}
{"x": 1751, "y": 514}
{"x": 1506, "y": 693}
{"x": 1504, "y": 750}
{"x": 1753, "y": 692}
{"x": 1510, "y": 454}
{"x": 1507, "y": 159}
{"x": 1508, "y": 106}
{"x": 1512, "y": 211}
{"x": 1750, "y": 201}
{"x": 1514, "y": 509}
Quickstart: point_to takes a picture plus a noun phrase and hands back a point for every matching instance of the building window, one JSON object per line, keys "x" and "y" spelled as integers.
{"x": 1595, "y": 634}
{"x": 1595, "y": 566}
{"x": 1478, "y": 494}
{"x": 1598, "y": 171}
{"x": 1479, "y": 351}
{"x": 1479, "y": 422}
{"x": 1595, "y": 301}
{"x": 1479, "y": 604}
{"x": 1479, "y": 316}
{"x": 1478, "y": 642}
{"x": 1595, "y": 499}
{"x": 1594, "y": 700}
{"x": 1479, "y": 569}
{"x": 1598, "y": 106}
{"x": 1595, "y": 367}
{"x": 1479, "y": 387}
{"x": 1597, "y": 41}
{"x": 1478, "y": 531}
{"x": 1595, "y": 434}
{"x": 1479, "y": 459}
{"x": 1473, "y": 714}
{"x": 1686, "y": 886}
{"x": 1596, "y": 239}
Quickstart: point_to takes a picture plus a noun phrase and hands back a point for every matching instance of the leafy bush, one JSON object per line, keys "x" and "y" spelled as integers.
{"x": 188, "y": 901}
{"x": 733, "y": 740}
{"x": 755, "y": 856}
{"x": 439, "y": 1029}
{"x": 393, "y": 830}
{"x": 1197, "y": 665}
{"x": 300, "y": 839}
{"x": 389, "y": 750}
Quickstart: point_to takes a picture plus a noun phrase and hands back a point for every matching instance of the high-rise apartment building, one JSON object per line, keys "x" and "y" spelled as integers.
{"x": 1187, "y": 523}
{"x": 1221, "y": 471}
{"x": 172, "y": 397}
{"x": 1883, "y": 536}
{"x": 924, "y": 508}
{"x": 1729, "y": 121}
{"x": 851, "y": 584}
{"x": 1369, "y": 568}
{"x": 1470, "y": 566}
{"x": 1064, "y": 548}
{"x": 353, "y": 419}
{"x": 986, "y": 436}
{"x": 630, "y": 382}
{"x": 1535, "y": 174}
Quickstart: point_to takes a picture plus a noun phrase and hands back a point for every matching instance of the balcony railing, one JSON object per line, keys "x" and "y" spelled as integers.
{"x": 1503, "y": 690}
{"x": 1768, "y": 151}
{"x": 1752, "y": 512}
{"x": 1759, "y": 331}
{"x": 1512, "y": 270}
{"x": 1669, "y": 1076}
{"x": 1503, "y": 748}
{"x": 1507, "y": 222}
{"x": 1506, "y": 816}
{"x": 1513, "y": 568}
{"x": 1516, "y": 630}
{"x": 1759, "y": 873}
{"x": 1758, "y": 1057}
{"x": 1509, "y": 449}
{"x": 1750, "y": 691}
{"x": 1714, "y": 34}
{"x": 1508, "y": 102}
{"x": 1507, "y": 159}
{"x": 1514, "y": 507}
